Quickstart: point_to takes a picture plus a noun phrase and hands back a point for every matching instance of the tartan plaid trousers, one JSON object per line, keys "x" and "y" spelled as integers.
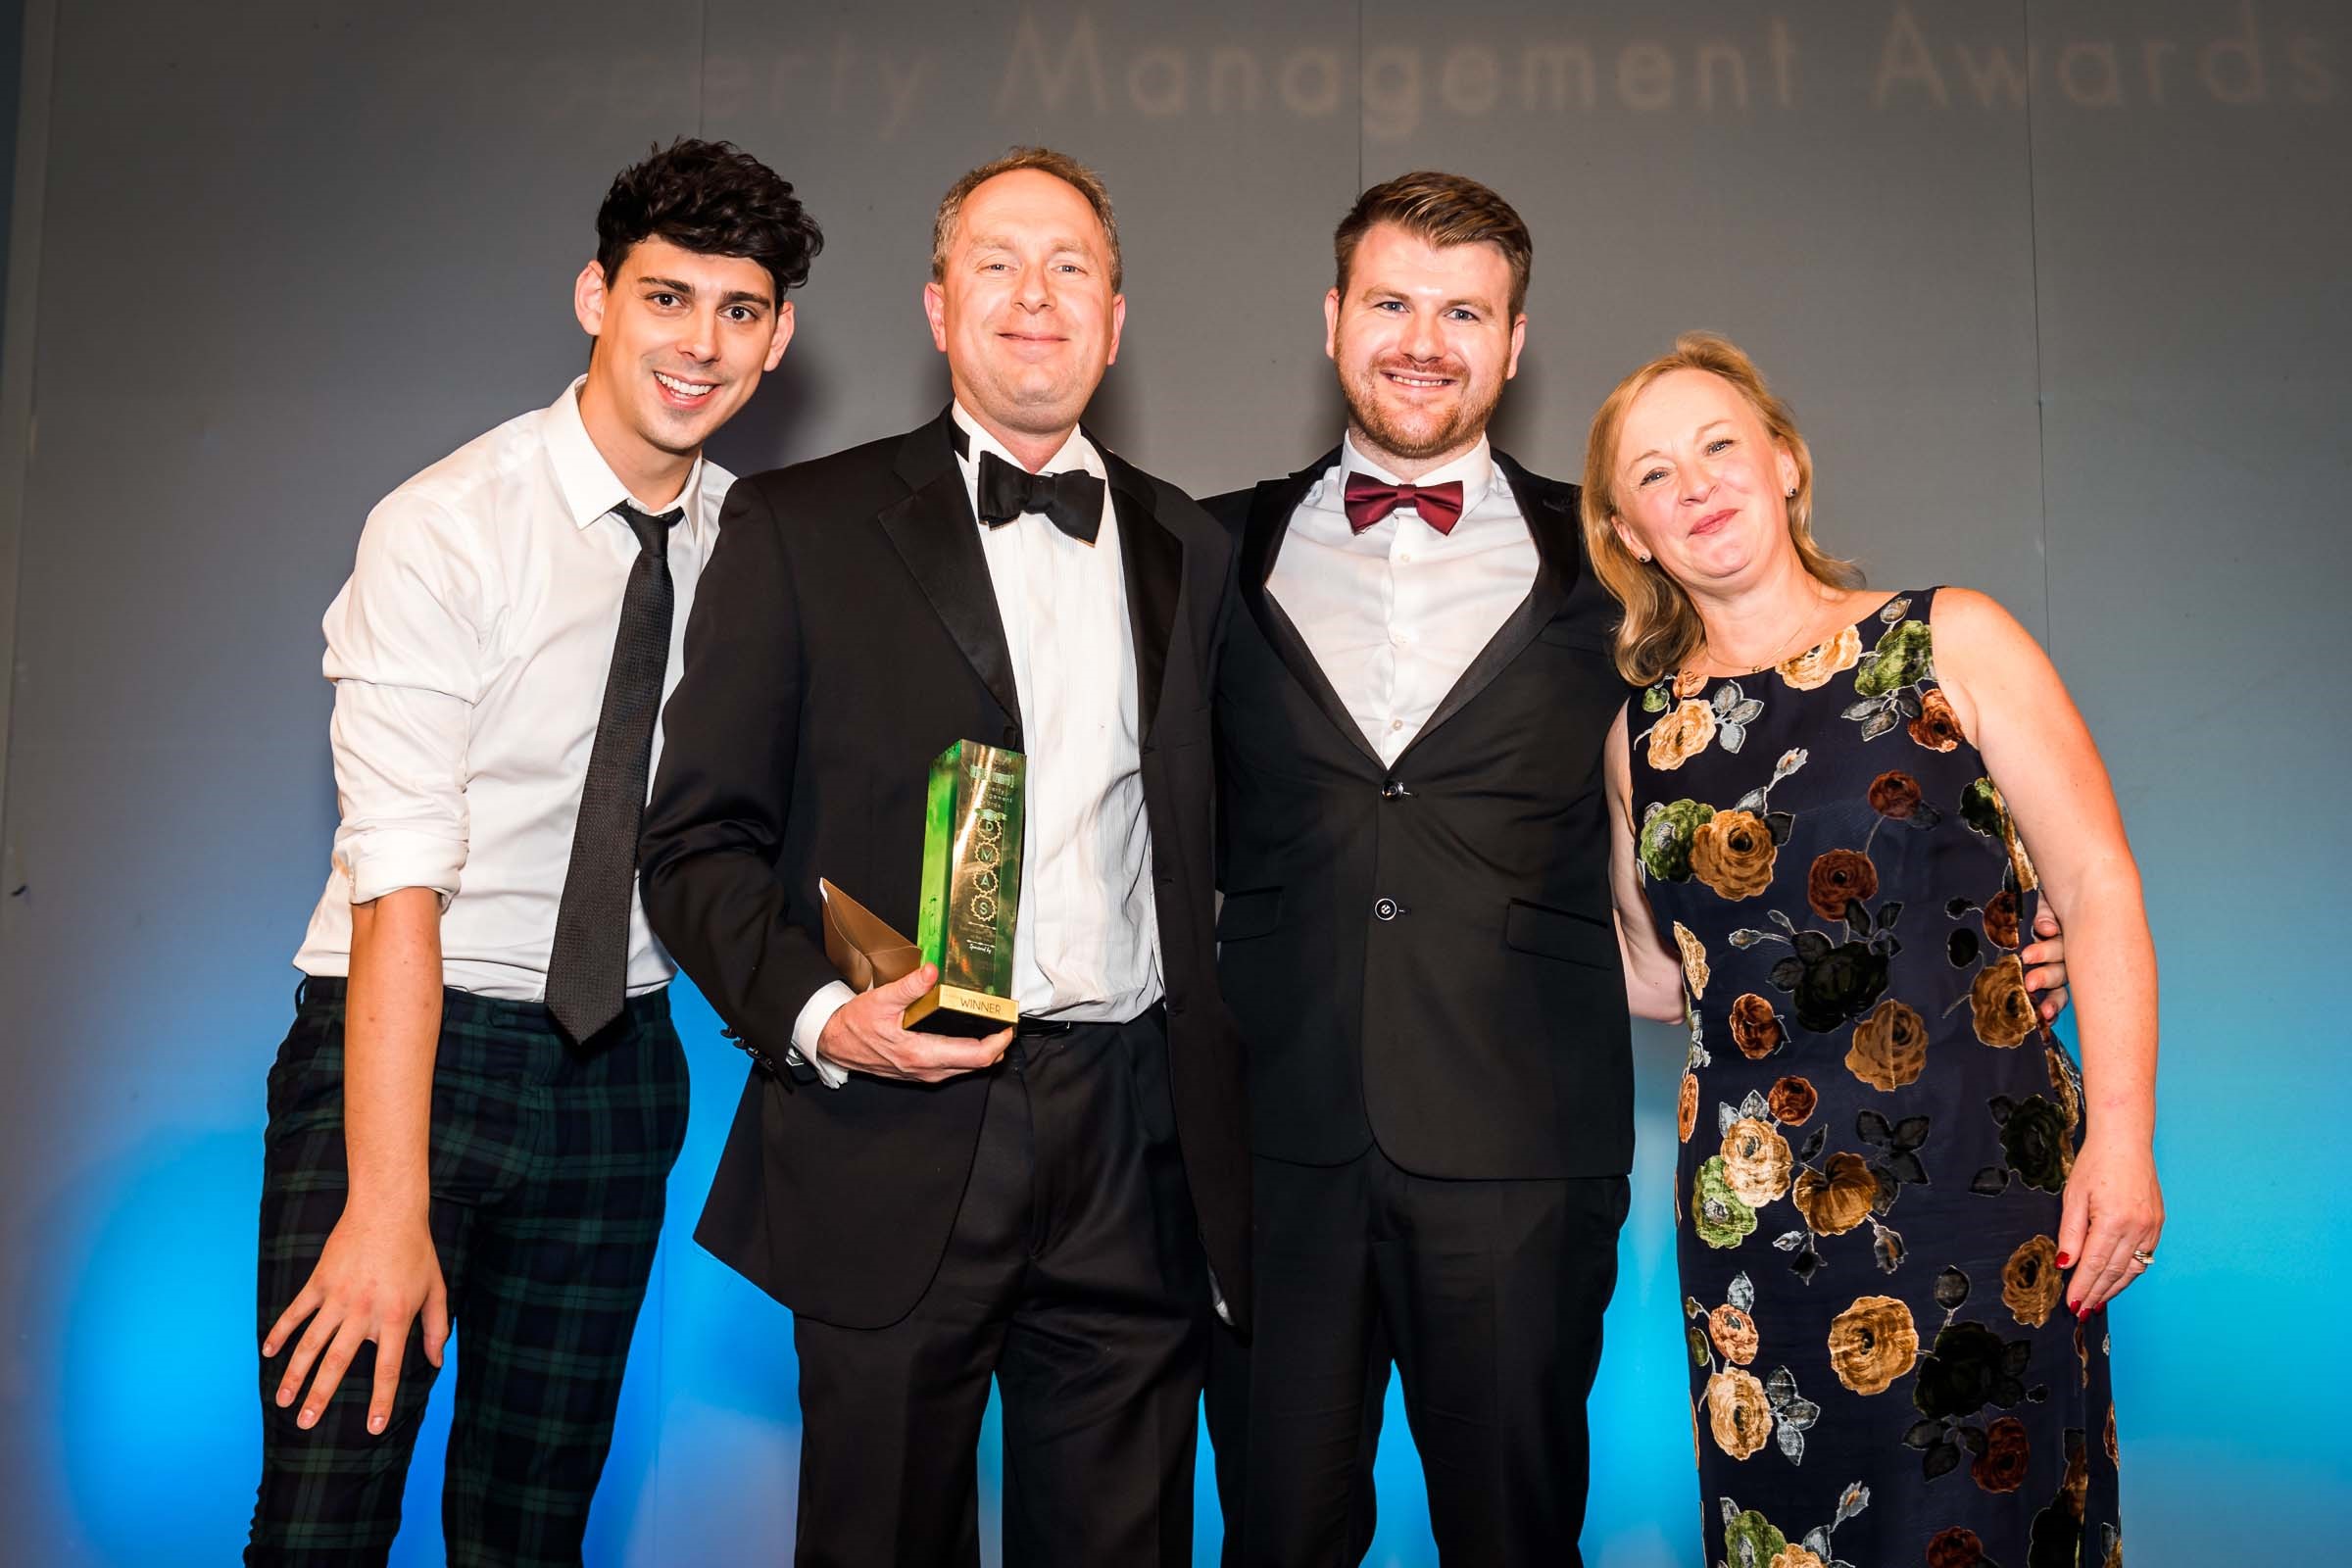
{"x": 548, "y": 1167}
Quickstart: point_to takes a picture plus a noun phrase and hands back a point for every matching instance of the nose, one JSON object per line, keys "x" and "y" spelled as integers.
{"x": 1696, "y": 481}
{"x": 698, "y": 339}
{"x": 1034, "y": 289}
{"x": 1422, "y": 339}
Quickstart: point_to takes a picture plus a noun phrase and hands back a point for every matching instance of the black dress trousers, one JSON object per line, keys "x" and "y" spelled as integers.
{"x": 1488, "y": 1295}
{"x": 1074, "y": 1276}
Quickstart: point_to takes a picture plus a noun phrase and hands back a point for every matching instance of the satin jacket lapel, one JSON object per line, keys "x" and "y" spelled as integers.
{"x": 936, "y": 535}
{"x": 1153, "y": 561}
{"x": 1550, "y": 512}
{"x": 1270, "y": 508}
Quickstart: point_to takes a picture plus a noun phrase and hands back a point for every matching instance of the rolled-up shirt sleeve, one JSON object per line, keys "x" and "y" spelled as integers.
{"x": 403, "y": 650}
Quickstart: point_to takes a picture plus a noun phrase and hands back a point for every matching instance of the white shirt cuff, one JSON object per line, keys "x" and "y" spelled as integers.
{"x": 816, "y": 1013}
{"x": 381, "y": 860}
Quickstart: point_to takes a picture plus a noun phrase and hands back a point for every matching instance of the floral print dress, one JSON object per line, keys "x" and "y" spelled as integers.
{"x": 1875, "y": 1131}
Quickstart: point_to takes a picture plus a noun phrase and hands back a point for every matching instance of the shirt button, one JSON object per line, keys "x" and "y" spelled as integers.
{"x": 1396, "y": 723}
{"x": 1386, "y": 908}
{"x": 1406, "y": 556}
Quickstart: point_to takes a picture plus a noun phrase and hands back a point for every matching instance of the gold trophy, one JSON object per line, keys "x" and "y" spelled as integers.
{"x": 971, "y": 889}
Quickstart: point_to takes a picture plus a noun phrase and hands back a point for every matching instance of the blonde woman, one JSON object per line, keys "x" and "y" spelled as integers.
{"x": 1901, "y": 1202}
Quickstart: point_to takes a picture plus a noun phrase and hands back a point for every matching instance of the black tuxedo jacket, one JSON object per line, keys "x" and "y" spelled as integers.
{"x": 846, "y": 633}
{"x": 1423, "y": 954}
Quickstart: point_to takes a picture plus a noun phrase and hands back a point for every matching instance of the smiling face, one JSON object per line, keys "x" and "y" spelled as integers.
{"x": 682, "y": 339}
{"x": 1699, "y": 484}
{"x": 1024, "y": 309}
{"x": 1424, "y": 339}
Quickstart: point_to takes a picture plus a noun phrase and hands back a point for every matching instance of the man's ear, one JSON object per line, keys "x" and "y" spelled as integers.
{"x": 1331, "y": 324}
{"x": 588, "y": 298}
{"x": 783, "y": 335}
{"x": 935, "y": 310}
{"x": 1119, "y": 324}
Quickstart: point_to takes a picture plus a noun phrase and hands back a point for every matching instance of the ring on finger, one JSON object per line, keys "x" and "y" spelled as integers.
{"x": 2142, "y": 1257}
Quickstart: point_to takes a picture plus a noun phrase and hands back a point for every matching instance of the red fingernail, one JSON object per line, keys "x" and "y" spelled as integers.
{"x": 2075, "y": 1307}
{"x": 2065, "y": 1261}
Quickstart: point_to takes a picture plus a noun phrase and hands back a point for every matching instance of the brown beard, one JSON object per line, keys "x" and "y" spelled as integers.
{"x": 1468, "y": 424}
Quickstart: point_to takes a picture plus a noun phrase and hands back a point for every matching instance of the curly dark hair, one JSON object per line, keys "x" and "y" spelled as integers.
{"x": 712, "y": 196}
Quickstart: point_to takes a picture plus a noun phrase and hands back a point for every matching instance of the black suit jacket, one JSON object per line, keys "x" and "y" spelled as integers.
{"x": 846, "y": 633}
{"x": 1423, "y": 954}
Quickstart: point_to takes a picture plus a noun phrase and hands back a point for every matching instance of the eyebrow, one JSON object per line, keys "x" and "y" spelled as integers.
{"x": 1653, "y": 452}
{"x": 738, "y": 296}
{"x": 1054, "y": 246}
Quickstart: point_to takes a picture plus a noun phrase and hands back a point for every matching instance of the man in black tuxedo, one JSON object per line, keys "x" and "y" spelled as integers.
{"x": 1058, "y": 1205}
{"x": 1416, "y": 935}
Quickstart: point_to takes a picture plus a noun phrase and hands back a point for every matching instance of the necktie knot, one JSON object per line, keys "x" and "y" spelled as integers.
{"x": 1072, "y": 500}
{"x": 653, "y": 532}
{"x": 1368, "y": 500}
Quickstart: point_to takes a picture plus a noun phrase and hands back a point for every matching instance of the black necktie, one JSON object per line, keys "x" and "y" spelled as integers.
{"x": 588, "y": 970}
{"x": 1072, "y": 500}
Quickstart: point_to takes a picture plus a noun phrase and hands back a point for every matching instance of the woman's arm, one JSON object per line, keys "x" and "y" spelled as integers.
{"x": 1653, "y": 975}
{"x": 2009, "y": 698}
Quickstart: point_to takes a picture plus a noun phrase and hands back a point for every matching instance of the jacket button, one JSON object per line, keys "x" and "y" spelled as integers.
{"x": 1387, "y": 908}
{"x": 1392, "y": 789}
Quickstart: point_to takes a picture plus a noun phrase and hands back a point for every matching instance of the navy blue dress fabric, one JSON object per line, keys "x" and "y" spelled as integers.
{"x": 1876, "y": 1129}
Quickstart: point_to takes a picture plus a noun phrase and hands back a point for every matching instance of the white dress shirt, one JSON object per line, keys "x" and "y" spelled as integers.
{"x": 1085, "y": 935}
{"x": 469, "y": 651}
{"x": 1396, "y": 614}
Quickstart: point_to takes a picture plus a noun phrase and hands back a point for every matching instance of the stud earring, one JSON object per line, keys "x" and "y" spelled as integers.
{"x": 1789, "y": 493}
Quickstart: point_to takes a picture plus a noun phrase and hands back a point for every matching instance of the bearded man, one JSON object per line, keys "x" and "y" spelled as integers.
{"x": 1416, "y": 935}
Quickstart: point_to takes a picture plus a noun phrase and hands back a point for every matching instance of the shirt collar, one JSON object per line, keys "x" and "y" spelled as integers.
{"x": 1475, "y": 468}
{"x": 590, "y": 487}
{"x": 1076, "y": 453}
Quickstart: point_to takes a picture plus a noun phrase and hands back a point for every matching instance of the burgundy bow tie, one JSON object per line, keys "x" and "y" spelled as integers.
{"x": 1368, "y": 500}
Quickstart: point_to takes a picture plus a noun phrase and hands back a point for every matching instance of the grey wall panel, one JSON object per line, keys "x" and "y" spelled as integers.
{"x": 2197, "y": 356}
{"x": 2055, "y": 285}
{"x": 292, "y": 253}
{"x": 1224, "y": 135}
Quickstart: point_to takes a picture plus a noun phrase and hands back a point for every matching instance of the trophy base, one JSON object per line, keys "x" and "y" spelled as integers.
{"x": 947, "y": 1009}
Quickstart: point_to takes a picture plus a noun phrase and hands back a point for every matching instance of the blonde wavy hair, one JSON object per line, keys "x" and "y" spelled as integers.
{"x": 1662, "y": 627}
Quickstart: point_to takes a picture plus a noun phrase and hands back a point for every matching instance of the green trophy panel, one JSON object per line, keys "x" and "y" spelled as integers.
{"x": 971, "y": 889}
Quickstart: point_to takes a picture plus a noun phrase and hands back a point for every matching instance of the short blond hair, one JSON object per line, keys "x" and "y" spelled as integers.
{"x": 1662, "y": 627}
{"x": 1046, "y": 161}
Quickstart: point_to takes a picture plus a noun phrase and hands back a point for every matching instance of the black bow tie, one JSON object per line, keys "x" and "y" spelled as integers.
{"x": 1072, "y": 500}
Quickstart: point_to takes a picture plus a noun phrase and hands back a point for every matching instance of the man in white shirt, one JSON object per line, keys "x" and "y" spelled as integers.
{"x": 474, "y": 1114}
{"x": 1041, "y": 1208}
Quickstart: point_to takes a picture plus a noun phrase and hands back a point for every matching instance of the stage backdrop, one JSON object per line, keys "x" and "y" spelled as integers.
{"x": 2058, "y": 290}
